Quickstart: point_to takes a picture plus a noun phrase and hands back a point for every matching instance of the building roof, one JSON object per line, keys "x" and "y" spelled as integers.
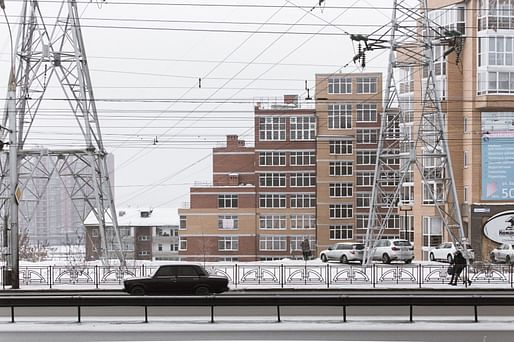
{"x": 141, "y": 217}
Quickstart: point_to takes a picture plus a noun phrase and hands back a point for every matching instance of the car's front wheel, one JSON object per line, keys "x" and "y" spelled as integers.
{"x": 408, "y": 261}
{"x": 432, "y": 257}
{"x": 386, "y": 259}
{"x": 449, "y": 258}
{"x": 137, "y": 291}
{"x": 202, "y": 291}
{"x": 507, "y": 259}
{"x": 324, "y": 258}
{"x": 344, "y": 259}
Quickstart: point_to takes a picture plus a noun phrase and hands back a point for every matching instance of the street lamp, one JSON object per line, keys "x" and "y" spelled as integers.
{"x": 406, "y": 208}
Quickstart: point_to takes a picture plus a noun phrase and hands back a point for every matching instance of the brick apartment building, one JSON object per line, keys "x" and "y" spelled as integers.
{"x": 262, "y": 203}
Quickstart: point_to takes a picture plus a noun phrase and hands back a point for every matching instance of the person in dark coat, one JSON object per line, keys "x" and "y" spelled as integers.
{"x": 306, "y": 249}
{"x": 459, "y": 264}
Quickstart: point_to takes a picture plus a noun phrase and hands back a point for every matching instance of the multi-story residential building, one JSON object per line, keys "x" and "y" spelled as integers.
{"x": 348, "y": 108}
{"x": 146, "y": 234}
{"x": 479, "y": 118}
{"x": 262, "y": 203}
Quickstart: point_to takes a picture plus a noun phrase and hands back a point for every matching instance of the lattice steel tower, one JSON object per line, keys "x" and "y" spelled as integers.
{"x": 51, "y": 68}
{"x": 413, "y": 125}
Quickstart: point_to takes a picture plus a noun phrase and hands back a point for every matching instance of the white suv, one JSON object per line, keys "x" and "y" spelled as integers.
{"x": 343, "y": 252}
{"x": 388, "y": 250}
{"x": 446, "y": 250}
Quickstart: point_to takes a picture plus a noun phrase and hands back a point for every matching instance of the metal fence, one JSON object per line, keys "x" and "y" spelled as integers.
{"x": 330, "y": 275}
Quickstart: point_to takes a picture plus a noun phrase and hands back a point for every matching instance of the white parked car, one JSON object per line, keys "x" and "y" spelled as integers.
{"x": 504, "y": 253}
{"x": 343, "y": 252}
{"x": 388, "y": 250}
{"x": 446, "y": 250}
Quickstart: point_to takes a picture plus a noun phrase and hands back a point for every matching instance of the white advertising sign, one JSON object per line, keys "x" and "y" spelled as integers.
{"x": 500, "y": 227}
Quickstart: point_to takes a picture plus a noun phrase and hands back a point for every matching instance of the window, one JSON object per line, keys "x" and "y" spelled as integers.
{"x": 341, "y": 168}
{"x": 466, "y": 159}
{"x": 366, "y": 85}
{"x": 466, "y": 124}
{"x": 363, "y": 199}
{"x": 272, "y": 180}
{"x": 303, "y": 179}
{"x": 339, "y": 116}
{"x": 272, "y": 243}
{"x": 228, "y": 222}
{"x": 433, "y": 187}
{"x": 174, "y": 247}
{"x": 341, "y": 211}
{"x": 303, "y": 201}
{"x": 272, "y": 201}
{"x": 272, "y": 222}
{"x": 303, "y": 221}
{"x": 366, "y": 157}
{"x": 466, "y": 194}
{"x": 303, "y": 127}
{"x": 340, "y": 147}
{"x": 365, "y": 178}
{"x": 272, "y": 128}
{"x": 159, "y": 247}
{"x": 366, "y": 112}
{"x": 182, "y": 244}
{"x": 228, "y": 243}
{"x": 302, "y": 158}
{"x": 432, "y": 231}
{"x": 362, "y": 221}
{"x": 341, "y": 190}
{"x": 339, "y": 85}
{"x": 367, "y": 136}
{"x": 272, "y": 158}
{"x": 95, "y": 232}
{"x": 227, "y": 201}
{"x": 341, "y": 232}
{"x": 143, "y": 253}
{"x": 183, "y": 222}
{"x": 143, "y": 238}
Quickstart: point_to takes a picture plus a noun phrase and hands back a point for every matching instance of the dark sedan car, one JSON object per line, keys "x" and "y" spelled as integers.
{"x": 177, "y": 279}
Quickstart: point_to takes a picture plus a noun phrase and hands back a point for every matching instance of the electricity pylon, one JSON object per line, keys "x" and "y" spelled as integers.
{"x": 45, "y": 55}
{"x": 412, "y": 126}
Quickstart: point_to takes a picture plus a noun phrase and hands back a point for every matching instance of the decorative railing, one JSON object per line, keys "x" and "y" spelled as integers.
{"x": 330, "y": 275}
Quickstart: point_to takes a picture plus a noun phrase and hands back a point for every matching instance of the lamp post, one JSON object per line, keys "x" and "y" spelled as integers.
{"x": 406, "y": 208}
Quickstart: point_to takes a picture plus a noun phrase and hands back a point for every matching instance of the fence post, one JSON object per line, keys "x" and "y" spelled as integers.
{"x": 373, "y": 275}
{"x": 420, "y": 275}
{"x": 278, "y": 314}
{"x": 281, "y": 275}
{"x": 12, "y": 314}
{"x": 146, "y": 314}
{"x": 97, "y": 276}
{"x": 236, "y": 274}
{"x": 328, "y": 275}
{"x": 50, "y": 275}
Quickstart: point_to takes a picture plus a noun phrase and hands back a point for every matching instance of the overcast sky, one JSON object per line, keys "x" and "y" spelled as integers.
{"x": 146, "y": 59}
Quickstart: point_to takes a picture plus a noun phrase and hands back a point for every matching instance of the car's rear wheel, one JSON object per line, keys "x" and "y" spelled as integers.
{"x": 507, "y": 259}
{"x": 324, "y": 258}
{"x": 408, "y": 261}
{"x": 344, "y": 259}
{"x": 202, "y": 291}
{"x": 137, "y": 291}
{"x": 386, "y": 259}
{"x": 432, "y": 257}
{"x": 449, "y": 258}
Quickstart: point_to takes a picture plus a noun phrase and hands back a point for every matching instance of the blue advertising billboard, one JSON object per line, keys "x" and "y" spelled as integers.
{"x": 497, "y": 156}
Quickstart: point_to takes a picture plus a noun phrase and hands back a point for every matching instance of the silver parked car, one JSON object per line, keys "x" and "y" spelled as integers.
{"x": 388, "y": 250}
{"x": 504, "y": 253}
{"x": 446, "y": 250}
{"x": 343, "y": 252}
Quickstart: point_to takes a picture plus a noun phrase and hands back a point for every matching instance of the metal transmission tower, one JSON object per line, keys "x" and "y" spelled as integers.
{"x": 46, "y": 54}
{"x": 412, "y": 127}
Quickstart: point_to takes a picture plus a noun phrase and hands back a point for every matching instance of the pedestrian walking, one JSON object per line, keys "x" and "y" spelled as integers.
{"x": 306, "y": 249}
{"x": 459, "y": 264}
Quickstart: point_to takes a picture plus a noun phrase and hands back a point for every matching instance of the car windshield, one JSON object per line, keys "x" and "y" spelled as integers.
{"x": 358, "y": 246}
{"x": 401, "y": 243}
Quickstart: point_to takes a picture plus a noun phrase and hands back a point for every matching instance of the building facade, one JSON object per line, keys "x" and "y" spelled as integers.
{"x": 262, "y": 203}
{"x": 146, "y": 234}
{"x": 348, "y": 108}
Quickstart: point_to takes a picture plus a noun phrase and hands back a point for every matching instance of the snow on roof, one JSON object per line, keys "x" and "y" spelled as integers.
{"x": 141, "y": 217}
